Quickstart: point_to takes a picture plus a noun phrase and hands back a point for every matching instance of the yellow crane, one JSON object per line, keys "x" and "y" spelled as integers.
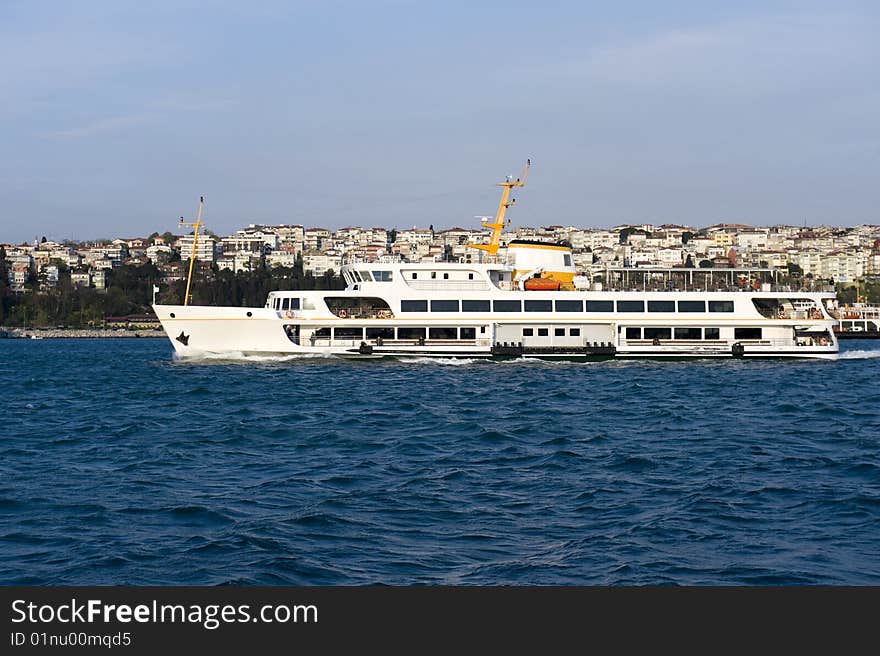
{"x": 192, "y": 256}
{"x": 498, "y": 224}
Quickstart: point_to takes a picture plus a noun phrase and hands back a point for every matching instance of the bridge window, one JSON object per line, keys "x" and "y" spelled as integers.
{"x": 475, "y": 306}
{"x": 444, "y": 306}
{"x": 692, "y": 306}
{"x": 568, "y": 305}
{"x": 543, "y": 305}
{"x": 442, "y": 333}
{"x": 712, "y": 333}
{"x": 382, "y": 276}
{"x": 467, "y": 333}
{"x": 630, "y": 306}
{"x": 365, "y": 275}
{"x": 285, "y": 303}
{"x": 413, "y": 306}
{"x": 747, "y": 333}
{"x": 507, "y": 306}
{"x": 720, "y": 306}
{"x": 661, "y": 306}
{"x": 688, "y": 333}
{"x": 600, "y": 306}
{"x": 658, "y": 333}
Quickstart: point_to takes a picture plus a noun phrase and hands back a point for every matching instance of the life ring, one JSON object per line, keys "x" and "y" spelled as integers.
{"x": 342, "y": 314}
{"x": 290, "y": 314}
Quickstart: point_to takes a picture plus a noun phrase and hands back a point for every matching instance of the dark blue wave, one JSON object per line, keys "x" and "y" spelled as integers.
{"x": 119, "y": 465}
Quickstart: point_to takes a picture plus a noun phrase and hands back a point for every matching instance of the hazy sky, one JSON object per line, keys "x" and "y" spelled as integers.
{"x": 116, "y": 115}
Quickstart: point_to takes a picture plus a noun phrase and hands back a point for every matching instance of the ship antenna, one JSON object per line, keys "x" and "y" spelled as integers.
{"x": 192, "y": 255}
{"x": 498, "y": 224}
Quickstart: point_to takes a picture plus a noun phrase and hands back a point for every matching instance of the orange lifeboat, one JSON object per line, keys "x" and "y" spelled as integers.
{"x": 542, "y": 285}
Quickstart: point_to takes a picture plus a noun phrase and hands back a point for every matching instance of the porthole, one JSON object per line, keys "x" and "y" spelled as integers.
{"x": 250, "y": 314}
{"x": 172, "y": 315}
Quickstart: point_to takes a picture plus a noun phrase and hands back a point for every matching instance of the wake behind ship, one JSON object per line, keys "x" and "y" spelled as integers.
{"x": 527, "y": 304}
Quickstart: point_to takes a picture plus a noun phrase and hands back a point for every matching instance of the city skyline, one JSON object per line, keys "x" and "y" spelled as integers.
{"x": 397, "y": 114}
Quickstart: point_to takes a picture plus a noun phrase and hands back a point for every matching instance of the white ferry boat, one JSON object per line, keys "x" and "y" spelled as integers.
{"x": 859, "y": 320}
{"x": 528, "y": 304}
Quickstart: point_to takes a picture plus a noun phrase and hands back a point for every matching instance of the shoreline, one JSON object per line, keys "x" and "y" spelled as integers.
{"x": 79, "y": 333}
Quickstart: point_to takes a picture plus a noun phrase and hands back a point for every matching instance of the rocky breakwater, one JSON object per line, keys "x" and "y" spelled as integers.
{"x": 63, "y": 333}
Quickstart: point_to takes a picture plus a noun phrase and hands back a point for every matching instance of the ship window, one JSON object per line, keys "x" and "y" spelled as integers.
{"x": 445, "y": 276}
{"x": 442, "y": 333}
{"x": 688, "y": 333}
{"x": 470, "y": 276}
{"x": 384, "y": 333}
{"x": 630, "y": 306}
{"x": 566, "y": 258}
{"x": 348, "y": 333}
{"x": 475, "y": 306}
{"x": 600, "y": 306}
{"x": 559, "y": 332}
{"x": 482, "y": 330}
{"x": 444, "y": 306}
{"x": 294, "y": 304}
{"x": 633, "y": 333}
{"x": 507, "y": 306}
{"x": 543, "y": 332}
{"x": 433, "y": 275}
{"x": 285, "y": 304}
{"x": 356, "y": 276}
{"x": 308, "y": 304}
{"x": 528, "y": 332}
{"x": 720, "y": 306}
{"x": 321, "y": 332}
{"x": 409, "y": 332}
{"x": 354, "y": 306}
{"x": 569, "y": 306}
{"x": 574, "y": 332}
{"x": 414, "y": 306}
{"x": 467, "y": 333}
{"x": 415, "y": 275}
{"x": 543, "y": 305}
{"x": 661, "y": 306}
{"x": 692, "y": 306}
{"x": 658, "y": 333}
{"x": 747, "y": 333}
{"x": 382, "y": 276}
{"x": 366, "y": 276}
{"x": 712, "y": 333}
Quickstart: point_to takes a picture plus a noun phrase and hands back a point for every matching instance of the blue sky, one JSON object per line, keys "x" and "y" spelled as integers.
{"x": 117, "y": 115}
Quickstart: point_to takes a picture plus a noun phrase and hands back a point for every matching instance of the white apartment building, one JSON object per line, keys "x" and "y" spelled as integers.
{"x": 206, "y": 248}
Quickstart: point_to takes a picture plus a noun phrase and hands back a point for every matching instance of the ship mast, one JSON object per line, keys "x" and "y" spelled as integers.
{"x": 192, "y": 255}
{"x": 498, "y": 224}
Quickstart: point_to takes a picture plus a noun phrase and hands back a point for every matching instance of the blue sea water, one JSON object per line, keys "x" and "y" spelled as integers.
{"x": 120, "y": 465}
